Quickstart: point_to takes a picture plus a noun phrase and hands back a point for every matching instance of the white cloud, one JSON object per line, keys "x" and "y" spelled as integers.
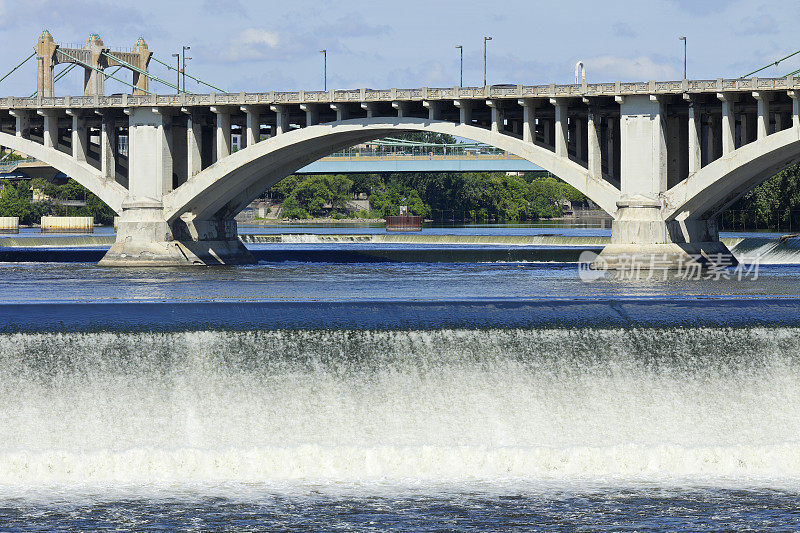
{"x": 642, "y": 68}
{"x": 251, "y": 44}
{"x": 252, "y": 36}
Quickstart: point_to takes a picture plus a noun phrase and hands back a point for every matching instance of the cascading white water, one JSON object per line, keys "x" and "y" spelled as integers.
{"x": 399, "y": 406}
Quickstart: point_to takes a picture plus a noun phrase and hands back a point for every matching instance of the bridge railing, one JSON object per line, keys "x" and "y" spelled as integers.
{"x": 423, "y": 93}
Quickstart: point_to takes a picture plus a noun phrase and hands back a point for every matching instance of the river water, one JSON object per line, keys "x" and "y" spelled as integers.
{"x": 408, "y": 396}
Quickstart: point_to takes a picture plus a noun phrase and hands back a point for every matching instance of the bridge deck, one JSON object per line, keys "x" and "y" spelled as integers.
{"x": 425, "y": 93}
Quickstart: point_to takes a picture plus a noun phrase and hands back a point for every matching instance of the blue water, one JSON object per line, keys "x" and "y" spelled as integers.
{"x": 382, "y": 396}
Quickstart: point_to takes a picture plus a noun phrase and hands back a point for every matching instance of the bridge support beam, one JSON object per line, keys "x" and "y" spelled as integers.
{"x": 194, "y": 143}
{"x": 80, "y": 135}
{"x": 108, "y": 147}
{"x": 643, "y": 237}
{"x": 594, "y": 155}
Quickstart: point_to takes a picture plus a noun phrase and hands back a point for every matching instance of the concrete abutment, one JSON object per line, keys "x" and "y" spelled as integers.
{"x": 145, "y": 238}
{"x": 641, "y": 239}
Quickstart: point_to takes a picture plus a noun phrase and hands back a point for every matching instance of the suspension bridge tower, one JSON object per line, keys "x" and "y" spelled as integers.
{"x": 94, "y": 57}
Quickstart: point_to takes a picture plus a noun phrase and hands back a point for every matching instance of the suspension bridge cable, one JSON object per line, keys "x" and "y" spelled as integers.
{"x": 107, "y": 75}
{"x": 64, "y": 72}
{"x": 140, "y": 71}
{"x": 792, "y": 73}
{"x": 775, "y": 63}
{"x": 189, "y": 76}
{"x": 103, "y": 73}
{"x": 15, "y": 68}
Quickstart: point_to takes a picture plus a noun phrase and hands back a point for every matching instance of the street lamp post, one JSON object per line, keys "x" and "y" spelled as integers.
{"x": 183, "y": 65}
{"x": 683, "y": 38}
{"x": 461, "y": 70}
{"x": 324, "y": 69}
{"x": 178, "y": 73}
{"x": 484, "y": 58}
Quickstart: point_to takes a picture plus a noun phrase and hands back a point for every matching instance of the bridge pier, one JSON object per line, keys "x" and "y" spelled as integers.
{"x": 641, "y": 239}
{"x": 643, "y": 235}
{"x": 145, "y": 238}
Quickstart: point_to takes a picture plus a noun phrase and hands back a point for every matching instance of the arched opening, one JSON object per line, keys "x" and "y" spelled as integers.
{"x": 712, "y": 189}
{"x": 110, "y": 192}
{"x": 229, "y": 185}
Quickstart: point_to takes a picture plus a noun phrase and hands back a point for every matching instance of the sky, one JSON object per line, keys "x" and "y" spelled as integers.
{"x": 259, "y": 46}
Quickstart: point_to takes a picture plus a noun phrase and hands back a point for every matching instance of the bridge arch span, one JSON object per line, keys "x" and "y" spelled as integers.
{"x": 110, "y": 192}
{"x": 716, "y": 186}
{"x": 231, "y": 183}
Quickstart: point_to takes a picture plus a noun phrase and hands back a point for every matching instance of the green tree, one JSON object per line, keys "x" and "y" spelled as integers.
{"x": 388, "y": 202}
{"x": 314, "y": 193}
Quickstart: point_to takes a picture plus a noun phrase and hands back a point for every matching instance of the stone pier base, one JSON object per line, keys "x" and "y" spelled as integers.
{"x": 145, "y": 239}
{"x": 177, "y": 253}
{"x": 667, "y": 256}
{"x": 642, "y": 240}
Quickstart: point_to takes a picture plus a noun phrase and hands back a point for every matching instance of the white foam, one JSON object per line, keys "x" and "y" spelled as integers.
{"x": 399, "y": 407}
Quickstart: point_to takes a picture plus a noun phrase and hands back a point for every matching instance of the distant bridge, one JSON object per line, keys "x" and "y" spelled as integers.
{"x": 664, "y": 158}
{"x": 364, "y": 164}
{"x": 376, "y": 157}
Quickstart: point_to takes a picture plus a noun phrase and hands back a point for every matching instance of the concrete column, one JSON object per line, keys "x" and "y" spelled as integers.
{"x": 342, "y": 112}
{"x": 644, "y": 150}
{"x": 434, "y": 109}
{"x": 711, "y": 141}
{"x": 744, "y": 122}
{"x": 561, "y": 126}
{"x": 80, "y": 137}
{"x": 695, "y": 127}
{"x": 778, "y": 122}
{"x": 580, "y": 141}
{"x": 150, "y": 157}
{"x": 795, "y": 108}
{"x": 312, "y": 113}
{"x": 763, "y": 113}
{"x": 281, "y": 118}
{"x": 548, "y": 131}
{"x": 50, "y": 128}
{"x": 194, "y": 143}
{"x": 371, "y": 108}
{"x": 108, "y": 147}
{"x": 497, "y": 115}
{"x": 528, "y": 120}
{"x": 23, "y": 122}
{"x": 465, "y": 110}
{"x": 222, "y": 133}
{"x": 402, "y": 108}
{"x": 594, "y": 155}
{"x": 728, "y": 122}
{"x": 252, "y": 129}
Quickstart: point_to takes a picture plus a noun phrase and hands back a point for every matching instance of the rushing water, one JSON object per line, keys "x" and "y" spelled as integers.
{"x": 508, "y": 396}
{"x": 362, "y": 427}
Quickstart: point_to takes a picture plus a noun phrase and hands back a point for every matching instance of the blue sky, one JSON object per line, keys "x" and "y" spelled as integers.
{"x": 244, "y": 45}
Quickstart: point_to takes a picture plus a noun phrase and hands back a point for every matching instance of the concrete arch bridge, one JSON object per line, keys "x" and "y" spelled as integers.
{"x": 663, "y": 158}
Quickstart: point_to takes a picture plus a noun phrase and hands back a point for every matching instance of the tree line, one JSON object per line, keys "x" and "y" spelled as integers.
{"x": 476, "y": 196}
{"x": 16, "y": 200}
